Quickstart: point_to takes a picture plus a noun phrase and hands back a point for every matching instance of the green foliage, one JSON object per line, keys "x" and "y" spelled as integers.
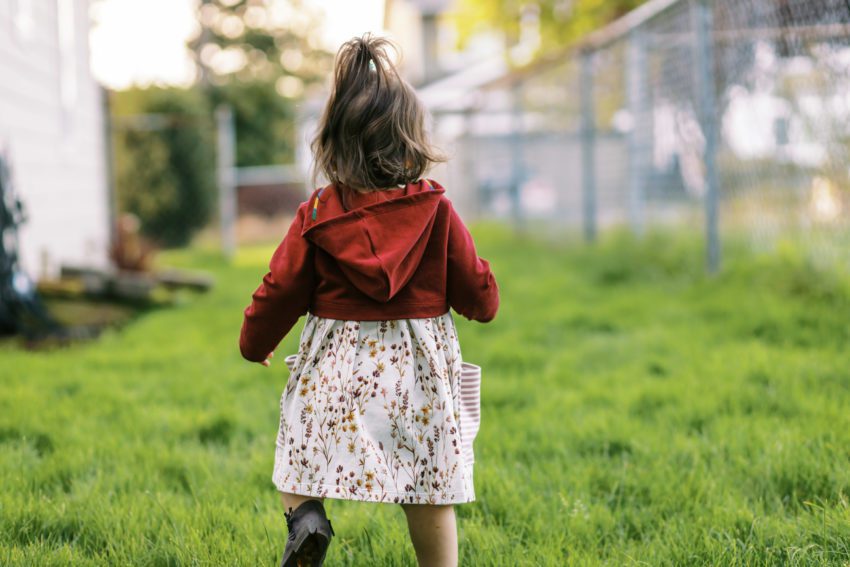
{"x": 165, "y": 161}
{"x": 279, "y": 62}
{"x": 165, "y": 139}
{"x": 265, "y": 122}
{"x": 561, "y": 22}
{"x": 270, "y": 40}
{"x": 634, "y": 412}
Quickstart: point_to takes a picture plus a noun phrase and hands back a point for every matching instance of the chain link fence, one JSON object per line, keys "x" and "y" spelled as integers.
{"x": 727, "y": 116}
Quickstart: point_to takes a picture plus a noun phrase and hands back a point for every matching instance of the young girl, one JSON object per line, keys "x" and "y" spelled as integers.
{"x": 375, "y": 259}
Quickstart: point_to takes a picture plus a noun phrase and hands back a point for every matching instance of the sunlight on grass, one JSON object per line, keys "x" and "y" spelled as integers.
{"x": 634, "y": 411}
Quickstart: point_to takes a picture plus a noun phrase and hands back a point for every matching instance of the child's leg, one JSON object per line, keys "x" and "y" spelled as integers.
{"x": 433, "y": 531}
{"x": 295, "y": 500}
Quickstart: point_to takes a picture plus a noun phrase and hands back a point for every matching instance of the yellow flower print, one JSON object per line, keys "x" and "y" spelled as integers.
{"x": 367, "y": 404}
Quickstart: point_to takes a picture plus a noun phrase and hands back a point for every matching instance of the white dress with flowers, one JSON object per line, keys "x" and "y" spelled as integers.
{"x": 371, "y": 412}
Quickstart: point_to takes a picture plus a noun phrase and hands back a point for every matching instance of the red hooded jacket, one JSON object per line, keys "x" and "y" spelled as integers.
{"x": 396, "y": 254}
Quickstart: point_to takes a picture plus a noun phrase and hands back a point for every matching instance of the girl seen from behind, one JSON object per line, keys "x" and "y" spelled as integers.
{"x": 375, "y": 260}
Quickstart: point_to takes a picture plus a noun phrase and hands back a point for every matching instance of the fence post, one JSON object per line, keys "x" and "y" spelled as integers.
{"x": 470, "y": 178}
{"x": 517, "y": 167}
{"x": 637, "y": 93}
{"x": 109, "y": 151}
{"x": 588, "y": 146}
{"x": 226, "y": 161}
{"x": 704, "y": 64}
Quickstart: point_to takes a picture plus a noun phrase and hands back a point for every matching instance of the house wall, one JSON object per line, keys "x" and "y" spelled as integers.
{"x": 51, "y": 131}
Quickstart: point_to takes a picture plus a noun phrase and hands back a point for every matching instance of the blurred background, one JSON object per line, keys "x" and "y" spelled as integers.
{"x": 194, "y": 116}
{"x": 662, "y": 189}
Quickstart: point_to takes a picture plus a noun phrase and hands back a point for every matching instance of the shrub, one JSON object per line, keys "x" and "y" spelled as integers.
{"x": 165, "y": 161}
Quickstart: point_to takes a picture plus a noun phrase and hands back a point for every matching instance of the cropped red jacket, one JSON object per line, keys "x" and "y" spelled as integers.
{"x": 402, "y": 253}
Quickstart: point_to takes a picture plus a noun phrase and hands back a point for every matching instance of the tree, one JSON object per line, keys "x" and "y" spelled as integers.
{"x": 558, "y": 22}
{"x": 165, "y": 161}
{"x": 260, "y": 57}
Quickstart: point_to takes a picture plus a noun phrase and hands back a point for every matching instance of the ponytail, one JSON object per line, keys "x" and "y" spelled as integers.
{"x": 372, "y": 133}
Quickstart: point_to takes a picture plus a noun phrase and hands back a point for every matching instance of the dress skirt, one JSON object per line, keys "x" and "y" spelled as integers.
{"x": 373, "y": 411}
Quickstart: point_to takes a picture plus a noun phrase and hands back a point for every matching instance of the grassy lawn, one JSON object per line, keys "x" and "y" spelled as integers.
{"x": 635, "y": 412}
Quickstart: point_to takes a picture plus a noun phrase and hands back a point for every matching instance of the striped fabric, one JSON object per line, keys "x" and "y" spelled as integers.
{"x": 470, "y": 405}
{"x": 470, "y": 408}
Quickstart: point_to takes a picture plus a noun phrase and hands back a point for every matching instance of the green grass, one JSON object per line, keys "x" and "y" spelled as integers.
{"x": 635, "y": 412}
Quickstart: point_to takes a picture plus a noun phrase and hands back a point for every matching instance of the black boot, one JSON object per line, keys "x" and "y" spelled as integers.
{"x": 310, "y": 534}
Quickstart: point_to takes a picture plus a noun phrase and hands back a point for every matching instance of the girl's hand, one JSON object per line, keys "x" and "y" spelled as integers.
{"x": 268, "y": 362}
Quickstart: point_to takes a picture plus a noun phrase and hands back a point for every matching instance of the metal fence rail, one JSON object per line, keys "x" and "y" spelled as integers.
{"x": 729, "y": 115}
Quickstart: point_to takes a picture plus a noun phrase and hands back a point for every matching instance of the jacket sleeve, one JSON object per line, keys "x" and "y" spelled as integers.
{"x": 283, "y": 296}
{"x": 470, "y": 284}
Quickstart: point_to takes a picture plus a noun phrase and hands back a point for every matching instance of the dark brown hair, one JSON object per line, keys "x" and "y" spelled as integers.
{"x": 372, "y": 133}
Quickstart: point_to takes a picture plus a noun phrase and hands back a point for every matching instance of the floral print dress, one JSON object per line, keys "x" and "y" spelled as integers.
{"x": 371, "y": 412}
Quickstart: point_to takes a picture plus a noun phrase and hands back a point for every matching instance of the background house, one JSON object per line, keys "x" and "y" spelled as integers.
{"x": 52, "y": 133}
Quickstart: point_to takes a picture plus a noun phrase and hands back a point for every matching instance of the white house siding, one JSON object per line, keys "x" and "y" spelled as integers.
{"x": 51, "y": 128}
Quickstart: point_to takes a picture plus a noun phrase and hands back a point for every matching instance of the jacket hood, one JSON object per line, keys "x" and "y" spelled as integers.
{"x": 377, "y": 238}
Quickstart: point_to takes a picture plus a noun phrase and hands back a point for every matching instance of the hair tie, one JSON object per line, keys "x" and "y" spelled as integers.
{"x": 371, "y": 64}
